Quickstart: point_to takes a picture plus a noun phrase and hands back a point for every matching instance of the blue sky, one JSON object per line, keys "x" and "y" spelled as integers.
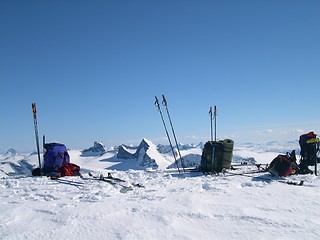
{"x": 94, "y": 67}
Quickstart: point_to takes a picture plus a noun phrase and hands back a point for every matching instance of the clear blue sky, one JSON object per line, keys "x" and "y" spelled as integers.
{"x": 94, "y": 67}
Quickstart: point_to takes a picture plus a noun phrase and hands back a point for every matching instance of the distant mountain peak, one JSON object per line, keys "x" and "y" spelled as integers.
{"x": 145, "y": 153}
{"x": 97, "y": 149}
{"x": 12, "y": 152}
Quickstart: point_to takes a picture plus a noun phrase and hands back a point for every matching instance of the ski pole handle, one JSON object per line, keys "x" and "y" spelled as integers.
{"x": 164, "y": 100}
{"x": 157, "y": 103}
{"x": 34, "y": 110}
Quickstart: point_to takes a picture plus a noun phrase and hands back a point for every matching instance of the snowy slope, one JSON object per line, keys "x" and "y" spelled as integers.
{"x": 170, "y": 206}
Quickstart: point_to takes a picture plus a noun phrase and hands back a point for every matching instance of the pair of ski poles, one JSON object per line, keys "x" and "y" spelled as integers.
{"x": 164, "y": 103}
{"x": 213, "y": 115}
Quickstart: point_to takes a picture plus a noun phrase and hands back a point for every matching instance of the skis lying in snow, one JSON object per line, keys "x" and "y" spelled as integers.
{"x": 110, "y": 177}
{"x": 258, "y": 165}
{"x": 124, "y": 188}
{"x": 121, "y": 180}
{"x": 114, "y": 181}
{"x": 261, "y": 167}
{"x": 264, "y": 178}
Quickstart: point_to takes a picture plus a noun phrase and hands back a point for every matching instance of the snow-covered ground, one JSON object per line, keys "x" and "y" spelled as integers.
{"x": 170, "y": 206}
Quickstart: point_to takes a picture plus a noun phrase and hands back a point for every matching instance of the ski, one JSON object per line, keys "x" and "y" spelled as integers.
{"x": 119, "y": 180}
{"x": 68, "y": 182}
{"x": 34, "y": 110}
{"x": 292, "y": 182}
{"x": 258, "y": 165}
{"x": 165, "y": 128}
{"x": 264, "y": 178}
{"x": 165, "y": 103}
{"x": 111, "y": 177}
{"x": 124, "y": 189}
{"x": 244, "y": 164}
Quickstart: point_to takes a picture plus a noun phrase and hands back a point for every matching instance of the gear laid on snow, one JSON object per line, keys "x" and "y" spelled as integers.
{"x": 55, "y": 157}
{"x": 309, "y": 144}
{"x": 57, "y": 162}
{"x": 216, "y": 156}
{"x": 284, "y": 165}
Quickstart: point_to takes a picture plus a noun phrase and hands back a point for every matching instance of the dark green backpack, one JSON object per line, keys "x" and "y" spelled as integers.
{"x": 211, "y": 158}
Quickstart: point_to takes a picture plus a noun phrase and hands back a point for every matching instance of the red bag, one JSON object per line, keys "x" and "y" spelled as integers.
{"x": 281, "y": 166}
{"x": 69, "y": 169}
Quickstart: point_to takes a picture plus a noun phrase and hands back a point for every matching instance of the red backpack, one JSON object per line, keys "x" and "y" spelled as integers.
{"x": 69, "y": 169}
{"x": 281, "y": 166}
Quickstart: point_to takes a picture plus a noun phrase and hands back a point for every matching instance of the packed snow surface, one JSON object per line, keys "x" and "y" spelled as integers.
{"x": 168, "y": 206}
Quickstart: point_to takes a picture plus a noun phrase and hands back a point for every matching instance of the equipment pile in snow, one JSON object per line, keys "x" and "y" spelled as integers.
{"x": 216, "y": 156}
{"x": 310, "y": 147}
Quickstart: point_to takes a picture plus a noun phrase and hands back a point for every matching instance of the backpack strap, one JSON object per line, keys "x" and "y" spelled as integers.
{"x": 64, "y": 158}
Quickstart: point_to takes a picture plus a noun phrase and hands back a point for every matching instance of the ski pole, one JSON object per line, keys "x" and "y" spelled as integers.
{"x": 215, "y": 123}
{"x": 165, "y": 128}
{"x": 34, "y": 110}
{"x": 43, "y": 147}
{"x": 210, "y": 113}
{"x": 164, "y": 102}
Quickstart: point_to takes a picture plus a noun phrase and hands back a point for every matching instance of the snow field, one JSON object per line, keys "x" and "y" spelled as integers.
{"x": 171, "y": 206}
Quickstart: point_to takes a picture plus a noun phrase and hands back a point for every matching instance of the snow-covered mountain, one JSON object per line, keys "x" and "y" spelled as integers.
{"x": 11, "y": 152}
{"x": 146, "y": 155}
{"x": 127, "y": 152}
{"x": 14, "y": 163}
{"x": 97, "y": 149}
{"x": 167, "y": 148}
{"x": 149, "y": 155}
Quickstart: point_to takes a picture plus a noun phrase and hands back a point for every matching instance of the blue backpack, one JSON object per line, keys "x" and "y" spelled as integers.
{"x": 55, "y": 157}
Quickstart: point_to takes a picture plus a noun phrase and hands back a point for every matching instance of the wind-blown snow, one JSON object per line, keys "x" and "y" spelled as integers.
{"x": 170, "y": 206}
